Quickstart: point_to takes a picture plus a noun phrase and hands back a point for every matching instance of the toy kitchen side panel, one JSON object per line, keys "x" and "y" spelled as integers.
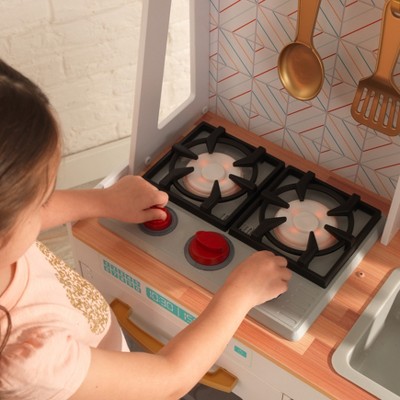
{"x": 162, "y": 318}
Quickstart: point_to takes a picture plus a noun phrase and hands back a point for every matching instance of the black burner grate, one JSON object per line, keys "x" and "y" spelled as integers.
{"x": 257, "y": 225}
{"x": 258, "y": 166}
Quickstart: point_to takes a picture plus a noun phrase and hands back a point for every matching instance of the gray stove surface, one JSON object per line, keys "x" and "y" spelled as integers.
{"x": 290, "y": 315}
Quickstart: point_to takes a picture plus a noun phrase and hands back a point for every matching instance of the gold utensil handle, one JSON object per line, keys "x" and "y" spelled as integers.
{"x": 306, "y": 18}
{"x": 389, "y": 45}
{"x": 220, "y": 379}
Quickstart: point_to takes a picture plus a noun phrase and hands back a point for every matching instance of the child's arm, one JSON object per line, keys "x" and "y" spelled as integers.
{"x": 129, "y": 200}
{"x": 187, "y": 357}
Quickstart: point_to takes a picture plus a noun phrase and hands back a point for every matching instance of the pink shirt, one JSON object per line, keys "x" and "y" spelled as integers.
{"x": 57, "y": 316}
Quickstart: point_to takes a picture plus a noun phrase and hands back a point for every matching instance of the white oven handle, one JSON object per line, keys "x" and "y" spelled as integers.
{"x": 220, "y": 379}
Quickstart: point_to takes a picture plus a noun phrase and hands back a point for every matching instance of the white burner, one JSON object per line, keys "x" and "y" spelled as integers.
{"x": 209, "y": 168}
{"x": 302, "y": 218}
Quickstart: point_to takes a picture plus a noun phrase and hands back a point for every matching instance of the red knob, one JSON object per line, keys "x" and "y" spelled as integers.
{"x": 209, "y": 248}
{"x": 159, "y": 224}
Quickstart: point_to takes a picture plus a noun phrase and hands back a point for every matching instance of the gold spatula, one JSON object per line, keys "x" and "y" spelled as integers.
{"x": 377, "y": 100}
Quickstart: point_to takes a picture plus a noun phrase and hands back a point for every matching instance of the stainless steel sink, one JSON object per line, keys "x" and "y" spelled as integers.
{"x": 369, "y": 355}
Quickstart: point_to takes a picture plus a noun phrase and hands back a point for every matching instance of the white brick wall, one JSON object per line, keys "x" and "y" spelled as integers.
{"x": 82, "y": 53}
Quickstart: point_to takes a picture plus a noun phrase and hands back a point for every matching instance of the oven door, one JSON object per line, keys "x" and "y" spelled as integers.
{"x": 217, "y": 384}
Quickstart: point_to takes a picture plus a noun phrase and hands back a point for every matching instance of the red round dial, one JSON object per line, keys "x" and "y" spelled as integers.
{"x": 159, "y": 224}
{"x": 209, "y": 248}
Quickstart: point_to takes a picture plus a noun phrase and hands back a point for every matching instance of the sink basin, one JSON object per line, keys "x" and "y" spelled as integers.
{"x": 369, "y": 355}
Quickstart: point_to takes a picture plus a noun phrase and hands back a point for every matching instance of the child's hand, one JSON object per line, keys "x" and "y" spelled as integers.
{"x": 131, "y": 200}
{"x": 261, "y": 277}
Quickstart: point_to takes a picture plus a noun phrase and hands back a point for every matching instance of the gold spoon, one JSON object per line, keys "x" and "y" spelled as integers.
{"x": 300, "y": 67}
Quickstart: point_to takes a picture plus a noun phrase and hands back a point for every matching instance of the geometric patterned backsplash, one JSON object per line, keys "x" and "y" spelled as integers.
{"x": 246, "y": 38}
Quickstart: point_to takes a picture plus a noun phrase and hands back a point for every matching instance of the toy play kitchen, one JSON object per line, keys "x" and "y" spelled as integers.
{"x": 232, "y": 193}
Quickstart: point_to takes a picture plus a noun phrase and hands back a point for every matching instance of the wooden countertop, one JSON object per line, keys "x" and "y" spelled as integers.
{"x": 309, "y": 358}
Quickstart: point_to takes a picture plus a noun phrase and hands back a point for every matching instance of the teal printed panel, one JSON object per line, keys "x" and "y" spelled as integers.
{"x": 170, "y": 306}
{"x": 122, "y": 276}
{"x": 240, "y": 351}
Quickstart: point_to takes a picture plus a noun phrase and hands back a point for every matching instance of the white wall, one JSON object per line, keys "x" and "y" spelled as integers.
{"x": 82, "y": 53}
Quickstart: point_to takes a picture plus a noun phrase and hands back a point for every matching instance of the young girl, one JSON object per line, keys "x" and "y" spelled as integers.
{"x": 58, "y": 338}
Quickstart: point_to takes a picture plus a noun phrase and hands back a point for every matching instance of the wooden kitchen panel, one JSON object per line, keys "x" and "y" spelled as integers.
{"x": 309, "y": 358}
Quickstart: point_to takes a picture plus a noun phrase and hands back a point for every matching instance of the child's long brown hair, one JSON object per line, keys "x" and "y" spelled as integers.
{"x": 29, "y": 142}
